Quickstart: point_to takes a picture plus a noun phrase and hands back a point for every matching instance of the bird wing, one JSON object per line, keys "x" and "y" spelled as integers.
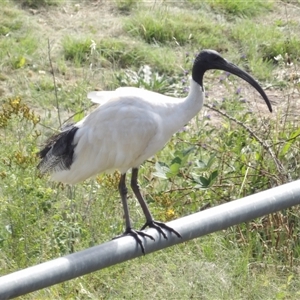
{"x": 116, "y": 135}
{"x": 100, "y": 97}
{"x": 129, "y": 126}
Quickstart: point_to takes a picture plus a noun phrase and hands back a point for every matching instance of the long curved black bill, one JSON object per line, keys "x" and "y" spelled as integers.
{"x": 232, "y": 68}
{"x": 210, "y": 59}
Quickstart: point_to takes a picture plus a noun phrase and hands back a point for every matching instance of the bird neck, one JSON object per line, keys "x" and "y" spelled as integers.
{"x": 193, "y": 103}
{"x": 184, "y": 109}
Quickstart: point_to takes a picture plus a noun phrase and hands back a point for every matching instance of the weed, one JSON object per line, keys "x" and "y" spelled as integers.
{"x": 164, "y": 27}
{"x": 76, "y": 50}
{"x": 268, "y": 42}
{"x": 289, "y": 47}
{"x": 39, "y": 3}
{"x": 255, "y": 52}
{"x": 15, "y": 107}
{"x": 144, "y": 78}
{"x": 6, "y": 27}
{"x": 125, "y": 6}
{"x": 125, "y": 54}
{"x": 246, "y": 8}
{"x": 16, "y": 56}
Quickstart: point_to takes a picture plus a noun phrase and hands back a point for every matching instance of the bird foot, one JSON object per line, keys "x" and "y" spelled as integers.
{"x": 158, "y": 226}
{"x": 136, "y": 234}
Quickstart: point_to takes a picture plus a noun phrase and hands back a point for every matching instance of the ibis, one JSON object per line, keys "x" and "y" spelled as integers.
{"x": 129, "y": 126}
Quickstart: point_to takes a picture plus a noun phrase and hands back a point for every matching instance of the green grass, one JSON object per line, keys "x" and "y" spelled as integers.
{"x": 162, "y": 26}
{"x": 260, "y": 45}
{"x": 240, "y": 7}
{"x": 125, "y": 6}
{"x": 116, "y": 54}
{"x": 76, "y": 50}
{"x": 125, "y": 54}
{"x": 233, "y": 9}
{"x": 220, "y": 156}
{"x": 39, "y": 3}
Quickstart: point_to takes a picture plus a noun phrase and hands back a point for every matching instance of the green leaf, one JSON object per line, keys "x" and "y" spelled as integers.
{"x": 204, "y": 181}
{"x": 295, "y": 133}
{"x": 213, "y": 176}
{"x": 288, "y": 144}
{"x": 161, "y": 171}
{"x": 176, "y": 160}
{"x": 195, "y": 178}
{"x": 19, "y": 62}
{"x": 188, "y": 151}
{"x": 78, "y": 117}
{"x": 285, "y": 148}
{"x": 211, "y": 160}
{"x": 174, "y": 170}
{"x": 201, "y": 164}
{"x": 201, "y": 180}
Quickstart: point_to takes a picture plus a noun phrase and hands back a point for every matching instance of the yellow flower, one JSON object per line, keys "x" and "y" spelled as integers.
{"x": 170, "y": 214}
{"x": 15, "y": 102}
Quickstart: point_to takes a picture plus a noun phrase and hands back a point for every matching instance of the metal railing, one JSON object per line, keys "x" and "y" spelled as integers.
{"x": 125, "y": 248}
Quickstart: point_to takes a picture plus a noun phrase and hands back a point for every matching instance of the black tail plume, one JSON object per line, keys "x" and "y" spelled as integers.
{"x": 58, "y": 153}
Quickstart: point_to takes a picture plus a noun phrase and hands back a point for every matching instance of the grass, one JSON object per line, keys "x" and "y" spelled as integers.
{"x": 38, "y": 3}
{"x": 263, "y": 45}
{"x": 235, "y": 8}
{"x": 233, "y": 148}
{"x": 125, "y": 6}
{"x": 162, "y": 26}
{"x": 77, "y": 51}
{"x": 125, "y": 54}
{"x": 242, "y": 8}
{"x": 117, "y": 54}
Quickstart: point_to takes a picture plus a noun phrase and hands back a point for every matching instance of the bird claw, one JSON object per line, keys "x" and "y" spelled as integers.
{"x": 135, "y": 234}
{"x": 158, "y": 226}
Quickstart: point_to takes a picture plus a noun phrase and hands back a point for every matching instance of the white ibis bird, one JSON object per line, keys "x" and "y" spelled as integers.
{"x": 129, "y": 126}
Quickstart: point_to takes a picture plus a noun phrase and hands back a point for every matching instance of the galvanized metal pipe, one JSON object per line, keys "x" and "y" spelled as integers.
{"x": 125, "y": 248}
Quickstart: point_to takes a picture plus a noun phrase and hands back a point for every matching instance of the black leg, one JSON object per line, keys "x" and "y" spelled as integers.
{"x": 149, "y": 219}
{"x": 135, "y": 233}
{"x": 123, "y": 193}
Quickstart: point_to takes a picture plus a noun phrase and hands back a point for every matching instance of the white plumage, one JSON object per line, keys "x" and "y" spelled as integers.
{"x": 129, "y": 126}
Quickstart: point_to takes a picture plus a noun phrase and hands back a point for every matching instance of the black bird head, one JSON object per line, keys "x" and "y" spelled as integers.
{"x": 210, "y": 59}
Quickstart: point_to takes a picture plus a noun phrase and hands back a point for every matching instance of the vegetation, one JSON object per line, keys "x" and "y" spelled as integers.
{"x": 232, "y": 149}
